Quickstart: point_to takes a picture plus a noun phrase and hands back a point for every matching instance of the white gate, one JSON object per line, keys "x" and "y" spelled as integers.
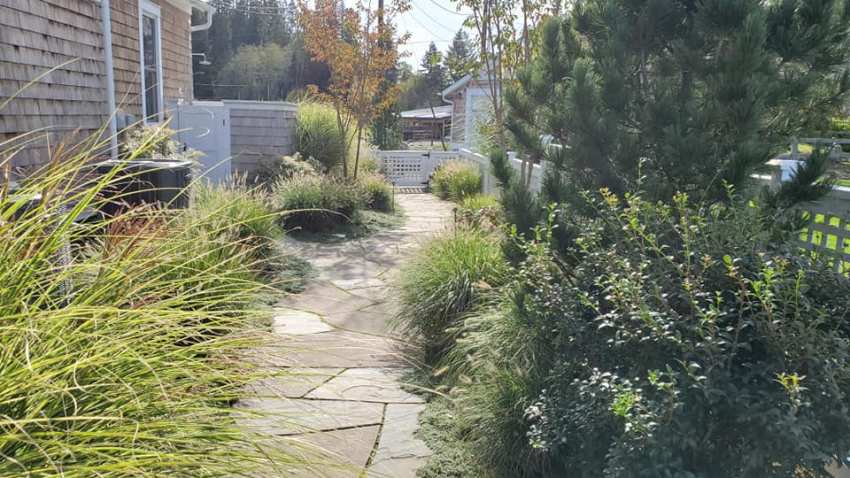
{"x": 411, "y": 167}
{"x": 205, "y": 126}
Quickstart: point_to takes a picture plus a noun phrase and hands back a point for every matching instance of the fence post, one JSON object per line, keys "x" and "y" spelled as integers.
{"x": 795, "y": 148}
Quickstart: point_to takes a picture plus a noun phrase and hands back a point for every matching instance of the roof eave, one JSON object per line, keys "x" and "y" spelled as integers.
{"x": 457, "y": 85}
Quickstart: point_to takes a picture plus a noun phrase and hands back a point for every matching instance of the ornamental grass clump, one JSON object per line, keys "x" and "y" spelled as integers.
{"x": 317, "y": 135}
{"x": 377, "y": 191}
{"x": 447, "y": 278}
{"x": 123, "y": 342}
{"x": 454, "y": 180}
{"x": 482, "y": 211}
{"x": 240, "y": 213}
{"x": 671, "y": 341}
{"x": 318, "y": 203}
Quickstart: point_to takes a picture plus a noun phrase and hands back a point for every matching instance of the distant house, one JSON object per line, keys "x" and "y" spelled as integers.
{"x": 426, "y": 124}
{"x": 129, "y": 56}
{"x": 470, "y": 103}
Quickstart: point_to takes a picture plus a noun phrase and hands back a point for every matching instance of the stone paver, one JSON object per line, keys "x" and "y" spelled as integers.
{"x": 347, "y": 451}
{"x": 283, "y": 416}
{"x": 344, "y": 393}
{"x": 297, "y": 322}
{"x": 365, "y": 385}
{"x": 399, "y": 451}
{"x": 294, "y": 382}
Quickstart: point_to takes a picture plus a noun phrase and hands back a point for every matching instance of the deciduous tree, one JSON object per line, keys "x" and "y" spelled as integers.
{"x": 358, "y": 56}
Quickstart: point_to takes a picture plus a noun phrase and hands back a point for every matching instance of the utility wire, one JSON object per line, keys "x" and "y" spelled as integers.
{"x": 428, "y": 30}
{"x": 454, "y": 12}
{"x": 432, "y": 20}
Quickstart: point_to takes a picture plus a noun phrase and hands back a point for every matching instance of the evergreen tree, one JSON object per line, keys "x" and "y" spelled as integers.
{"x": 434, "y": 74}
{"x": 660, "y": 96}
{"x": 272, "y": 23}
{"x": 460, "y": 58}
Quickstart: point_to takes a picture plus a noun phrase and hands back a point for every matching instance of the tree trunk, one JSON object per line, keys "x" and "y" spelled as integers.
{"x": 345, "y": 141}
{"x": 357, "y": 154}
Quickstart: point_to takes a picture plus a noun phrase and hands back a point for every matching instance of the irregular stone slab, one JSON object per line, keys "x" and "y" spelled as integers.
{"x": 281, "y": 416}
{"x": 297, "y": 322}
{"x": 348, "y": 449}
{"x": 365, "y": 385}
{"x": 360, "y": 283}
{"x": 340, "y": 349}
{"x": 292, "y": 383}
{"x": 400, "y": 452}
{"x": 363, "y": 321}
{"x": 325, "y": 300}
{"x": 329, "y": 454}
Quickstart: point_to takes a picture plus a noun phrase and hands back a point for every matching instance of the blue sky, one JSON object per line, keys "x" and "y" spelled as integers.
{"x": 426, "y": 21}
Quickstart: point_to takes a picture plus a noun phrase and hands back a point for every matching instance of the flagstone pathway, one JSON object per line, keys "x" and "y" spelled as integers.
{"x": 344, "y": 393}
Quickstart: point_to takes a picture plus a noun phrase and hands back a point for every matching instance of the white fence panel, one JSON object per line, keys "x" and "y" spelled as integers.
{"x": 412, "y": 168}
{"x": 488, "y": 181}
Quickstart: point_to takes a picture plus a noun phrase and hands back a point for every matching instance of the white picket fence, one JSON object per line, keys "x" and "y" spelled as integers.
{"x": 408, "y": 168}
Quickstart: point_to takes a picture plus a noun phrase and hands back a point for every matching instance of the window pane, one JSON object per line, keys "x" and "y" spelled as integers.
{"x": 149, "y": 54}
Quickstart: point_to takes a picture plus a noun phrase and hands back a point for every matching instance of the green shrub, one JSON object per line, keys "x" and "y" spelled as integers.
{"x": 482, "y": 211}
{"x": 378, "y": 192}
{"x": 272, "y": 169}
{"x": 318, "y": 203}
{"x": 448, "y": 276}
{"x": 317, "y": 135}
{"x": 454, "y": 180}
{"x": 679, "y": 342}
{"x": 122, "y": 343}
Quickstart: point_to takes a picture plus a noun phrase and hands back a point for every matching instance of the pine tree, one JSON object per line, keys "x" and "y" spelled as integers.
{"x": 460, "y": 58}
{"x": 660, "y": 96}
{"x": 434, "y": 74}
{"x": 272, "y": 23}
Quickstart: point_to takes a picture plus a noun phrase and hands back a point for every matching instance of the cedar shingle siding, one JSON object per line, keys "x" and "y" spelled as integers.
{"x": 37, "y": 35}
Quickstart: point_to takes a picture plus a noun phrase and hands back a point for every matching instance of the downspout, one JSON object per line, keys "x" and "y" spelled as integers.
{"x": 210, "y": 12}
{"x": 451, "y": 133}
{"x": 106, "y": 25}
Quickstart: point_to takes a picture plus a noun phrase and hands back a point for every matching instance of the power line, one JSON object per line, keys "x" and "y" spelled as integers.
{"x": 445, "y": 28}
{"x": 454, "y": 12}
{"x": 428, "y": 30}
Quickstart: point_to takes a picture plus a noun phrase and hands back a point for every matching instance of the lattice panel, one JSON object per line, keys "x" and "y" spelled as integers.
{"x": 404, "y": 171}
{"x": 829, "y": 234}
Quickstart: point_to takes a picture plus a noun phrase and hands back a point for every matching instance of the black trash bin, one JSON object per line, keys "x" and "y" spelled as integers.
{"x": 147, "y": 182}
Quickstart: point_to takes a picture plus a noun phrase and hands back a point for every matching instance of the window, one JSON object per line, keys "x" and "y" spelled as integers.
{"x": 151, "y": 61}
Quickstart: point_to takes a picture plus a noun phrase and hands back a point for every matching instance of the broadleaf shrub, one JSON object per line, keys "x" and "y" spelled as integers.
{"x": 455, "y": 180}
{"x": 677, "y": 341}
{"x": 447, "y": 277}
{"x": 318, "y": 203}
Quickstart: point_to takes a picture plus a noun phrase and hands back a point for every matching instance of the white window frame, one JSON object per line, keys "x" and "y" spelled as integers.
{"x": 150, "y": 9}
